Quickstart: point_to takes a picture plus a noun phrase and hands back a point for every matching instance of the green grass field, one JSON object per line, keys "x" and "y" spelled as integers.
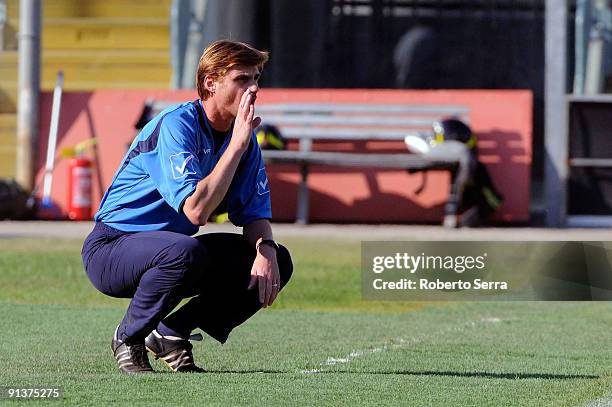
{"x": 320, "y": 344}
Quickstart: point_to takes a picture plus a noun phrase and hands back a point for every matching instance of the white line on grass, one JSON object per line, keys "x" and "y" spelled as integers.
{"x": 395, "y": 343}
{"x": 603, "y": 402}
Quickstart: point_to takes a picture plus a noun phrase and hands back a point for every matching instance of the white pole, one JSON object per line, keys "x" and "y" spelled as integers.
{"x": 55, "y": 112}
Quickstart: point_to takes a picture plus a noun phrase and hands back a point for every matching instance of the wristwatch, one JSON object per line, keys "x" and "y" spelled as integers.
{"x": 268, "y": 242}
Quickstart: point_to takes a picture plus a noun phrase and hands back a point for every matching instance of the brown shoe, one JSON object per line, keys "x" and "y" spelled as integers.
{"x": 130, "y": 358}
{"x": 173, "y": 351}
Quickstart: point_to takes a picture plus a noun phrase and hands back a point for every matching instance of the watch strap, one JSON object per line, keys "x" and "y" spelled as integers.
{"x": 268, "y": 242}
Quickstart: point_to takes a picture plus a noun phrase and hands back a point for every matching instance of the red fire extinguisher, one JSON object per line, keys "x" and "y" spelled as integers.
{"x": 79, "y": 188}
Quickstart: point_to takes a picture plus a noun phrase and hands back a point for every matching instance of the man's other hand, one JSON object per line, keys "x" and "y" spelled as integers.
{"x": 245, "y": 123}
{"x": 265, "y": 275}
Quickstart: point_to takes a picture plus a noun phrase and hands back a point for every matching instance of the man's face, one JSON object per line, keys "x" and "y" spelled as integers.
{"x": 232, "y": 86}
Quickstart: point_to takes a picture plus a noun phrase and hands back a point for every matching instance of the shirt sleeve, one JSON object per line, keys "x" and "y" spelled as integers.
{"x": 173, "y": 164}
{"x": 249, "y": 197}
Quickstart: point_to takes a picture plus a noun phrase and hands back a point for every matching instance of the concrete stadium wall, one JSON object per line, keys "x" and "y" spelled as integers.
{"x": 502, "y": 120}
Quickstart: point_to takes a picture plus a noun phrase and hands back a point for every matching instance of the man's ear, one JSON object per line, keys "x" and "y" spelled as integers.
{"x": 209, "y": 83}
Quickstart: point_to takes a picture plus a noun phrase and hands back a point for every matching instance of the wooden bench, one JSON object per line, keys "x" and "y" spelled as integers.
{"x": 310, "y": 122}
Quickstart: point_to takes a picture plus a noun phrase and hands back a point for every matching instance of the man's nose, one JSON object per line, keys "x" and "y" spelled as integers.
{"x": 254, "y": 88}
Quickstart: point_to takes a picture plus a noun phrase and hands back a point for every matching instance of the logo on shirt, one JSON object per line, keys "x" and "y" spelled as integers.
{"x": 181, "y": 164}
{"x": 263, "y": 186}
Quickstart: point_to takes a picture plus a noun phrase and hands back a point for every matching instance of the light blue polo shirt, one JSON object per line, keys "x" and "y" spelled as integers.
{"x": 174, "y": 151}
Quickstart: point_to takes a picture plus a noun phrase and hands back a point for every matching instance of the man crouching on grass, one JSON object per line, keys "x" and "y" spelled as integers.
{"x": 189, "y": 161}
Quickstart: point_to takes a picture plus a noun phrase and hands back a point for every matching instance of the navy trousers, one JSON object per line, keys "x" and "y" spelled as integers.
{"x": 159, "y": 269}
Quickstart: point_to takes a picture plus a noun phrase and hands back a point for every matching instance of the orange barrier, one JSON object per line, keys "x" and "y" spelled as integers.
{"x": 502, "y": 119}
